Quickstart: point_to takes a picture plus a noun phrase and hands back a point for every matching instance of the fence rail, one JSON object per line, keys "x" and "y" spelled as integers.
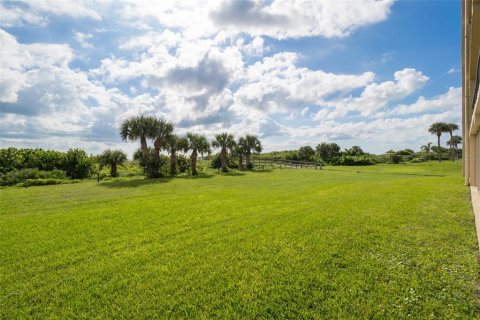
{"x": 263, "y": 162}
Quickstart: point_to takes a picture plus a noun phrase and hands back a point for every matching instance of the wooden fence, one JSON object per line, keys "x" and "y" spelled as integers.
{"x": 261, "y": 162}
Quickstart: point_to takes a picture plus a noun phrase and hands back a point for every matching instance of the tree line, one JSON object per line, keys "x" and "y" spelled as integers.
{"x": 437, "y": 128}
{"x": 161, "y": 134}
{"x": 17, "y": 165}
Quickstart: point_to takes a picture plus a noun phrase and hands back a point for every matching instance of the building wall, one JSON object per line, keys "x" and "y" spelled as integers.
{"x": 470, "y": 105}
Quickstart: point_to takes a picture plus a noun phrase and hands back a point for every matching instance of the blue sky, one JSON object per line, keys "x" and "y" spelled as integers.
{"x": 369, "y": 73}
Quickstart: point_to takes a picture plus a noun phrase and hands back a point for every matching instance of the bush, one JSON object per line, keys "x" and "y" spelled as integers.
{"x": 216, "y": 162}
{"x": 20, "y": 176}
{"x": 46, "y": 182}
{"x": 362, "y": 160}
{"x": 183, "y": 164}
{"x": 78, "y": 165}
{"x": 17, "y": 159}
{"x": 153, "y": 166}
{"x": 396, "y": 158}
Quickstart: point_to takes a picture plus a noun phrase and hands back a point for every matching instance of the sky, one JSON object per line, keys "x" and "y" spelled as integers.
{"x": 373, "y": 73}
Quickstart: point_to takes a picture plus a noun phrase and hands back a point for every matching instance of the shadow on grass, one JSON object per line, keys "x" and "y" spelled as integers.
{"x": 199, "y": 176}
{"x": 394, "y": 173}
{"x": 417, "y": 174}
{"x": 134, "y": 183}
{"x": 231, "y": 173}
{"x": 261, "y": 171}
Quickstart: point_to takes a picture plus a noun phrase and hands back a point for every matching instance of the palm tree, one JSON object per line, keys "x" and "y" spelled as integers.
{"x": 438, "y": 128}
{"x": 173, "y": 143}
{"x": 453, "y": 143}
{"x": 450, "y": 127}
{"x": 162, "y": 131}
{"x": 226, "y": 142}
{"x": 251, "y": 143}
{"x": 427, "y": 149}
{"x": 139, "y": 128}
{"x": 198, "y": 144}
{"x": 239, "y": 151}
{"x": 112, "y": 158}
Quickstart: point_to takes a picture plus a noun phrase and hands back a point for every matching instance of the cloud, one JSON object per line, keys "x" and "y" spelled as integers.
{"x": 453, "y": 70}
{"x": 451, "y": 100}
{"x": 282, "y": 19}
{"x": 278, "y": 19}
{"x": 50, "y": 100}
{"x": 17, "y": 16}
{"x": 387, "y": 56}
{"x": 275, "y": 84}
{"x": 35, "y": 12}
{"x": 17, "y": 59}
{"x": 83, "y": 39}
{"x": 376, "y": 96}
{"x": 209, "y": 66}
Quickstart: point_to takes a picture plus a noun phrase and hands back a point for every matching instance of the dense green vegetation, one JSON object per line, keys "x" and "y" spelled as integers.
{"x": 48, "y": 166}
{"x": 381, "y": 242}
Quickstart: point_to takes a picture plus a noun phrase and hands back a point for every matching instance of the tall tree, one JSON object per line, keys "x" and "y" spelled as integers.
{"x": 453, "y": 143}
{"x": 239, "y": 151}
{"x": 438, "y": 128}
{"x": 251, "y": 143}
{"x": 450, "y": 127}
{"x": 162, "y": 130}
{"x": 198, "y": 144}
{"x": 328, "y": 151}
{"x": 427, "y": 148}
{"x": 306, "y": 153}
{"x": 112, "y": 158}
{"x": 354, "y": 151}
{"x": 226, "y": 142}
{"x": 173, "y": 143}
{"x": 139, "y": 128}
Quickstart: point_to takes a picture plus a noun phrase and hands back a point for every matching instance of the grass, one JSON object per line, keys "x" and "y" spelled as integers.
{"x": 391, "y": 241}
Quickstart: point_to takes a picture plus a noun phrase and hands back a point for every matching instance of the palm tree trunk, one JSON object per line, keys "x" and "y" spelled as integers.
{"x": 247, "y": 156}
{"x": 240, "y": 161}
{"x": 451, "y": 146}
{"x": 223, "y": 158}
{"x": 158, "y": 145}
{"x": 439, "y": 150}
{"x": 193, "y": 159}
{"x": 173, "y": 161}
{"x": 113, "y": 170}
{"x": 143, "y": 145}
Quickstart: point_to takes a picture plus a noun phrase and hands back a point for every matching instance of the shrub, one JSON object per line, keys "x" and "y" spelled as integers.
{"x": 45, "y": 182}
{"x": 78, "y": 165}
{"x": 216, "y": 162}
{"x": 20, "y": 176}
{"x": 153, "y": 166}
{"x": 17, "y": 159}
{"x": 183, "y": 164}
{"x": 396, "y": 158}
{"x": 361, "y": 160}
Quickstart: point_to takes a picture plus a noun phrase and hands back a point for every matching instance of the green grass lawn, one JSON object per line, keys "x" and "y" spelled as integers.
{"x": 391, "y": 241}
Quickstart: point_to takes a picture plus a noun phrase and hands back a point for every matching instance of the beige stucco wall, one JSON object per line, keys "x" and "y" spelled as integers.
{"x": 470, "y": 114}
